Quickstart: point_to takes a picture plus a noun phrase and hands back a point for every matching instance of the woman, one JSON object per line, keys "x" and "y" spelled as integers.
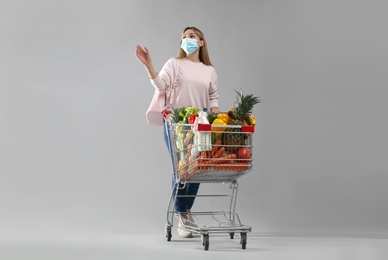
{"x": 197, "y": 86}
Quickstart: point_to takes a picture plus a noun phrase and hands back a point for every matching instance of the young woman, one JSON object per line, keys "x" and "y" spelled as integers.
{"x": 197, "y": 86}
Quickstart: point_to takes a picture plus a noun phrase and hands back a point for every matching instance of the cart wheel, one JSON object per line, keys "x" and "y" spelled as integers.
{"x": 168, "y": 233}
{"x": 205, "y": 242}
{"x": 243, "y": 240}
{"x": 231, "y": 234}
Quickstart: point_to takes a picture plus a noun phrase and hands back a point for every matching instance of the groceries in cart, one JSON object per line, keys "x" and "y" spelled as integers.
{"x": 205, "y": 141}
{"x": 210, "y": 148}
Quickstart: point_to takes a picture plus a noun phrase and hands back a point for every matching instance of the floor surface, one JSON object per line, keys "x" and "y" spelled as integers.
{"x": 221, "y": 247}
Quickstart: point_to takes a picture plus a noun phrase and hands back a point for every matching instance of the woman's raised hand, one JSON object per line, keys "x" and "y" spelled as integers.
{"x": 143, "y": 55}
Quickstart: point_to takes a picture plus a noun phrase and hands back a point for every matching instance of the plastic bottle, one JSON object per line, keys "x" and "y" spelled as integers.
{"x": 194, "y": 149}
{"x": 204, "y": 137}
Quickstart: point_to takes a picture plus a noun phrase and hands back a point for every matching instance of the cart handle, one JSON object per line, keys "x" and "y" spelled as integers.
{"x": 208, "y": 127}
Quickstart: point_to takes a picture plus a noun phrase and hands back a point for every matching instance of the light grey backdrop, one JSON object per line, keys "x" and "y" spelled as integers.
{"x": 76, "y": 154}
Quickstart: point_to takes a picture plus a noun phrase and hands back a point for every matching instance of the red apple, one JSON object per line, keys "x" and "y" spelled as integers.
{"x": 243, "y": 153}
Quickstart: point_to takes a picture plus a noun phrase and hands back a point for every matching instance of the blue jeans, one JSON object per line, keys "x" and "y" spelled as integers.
{"x": 182, "y": 204}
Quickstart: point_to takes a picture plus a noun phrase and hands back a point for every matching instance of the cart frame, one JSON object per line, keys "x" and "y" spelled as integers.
{"x": 227, "y": 221}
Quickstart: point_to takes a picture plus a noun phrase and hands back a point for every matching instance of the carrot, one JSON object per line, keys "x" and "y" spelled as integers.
{"x": 193, "y": 168}
{"x": 219, "y": 152}
{"x": 223, "y": 159}
{"x": 227, "y": 158}
{"x": 204, "y": 156}
{"x": 217, "y": 158}
{"x": 215, "y": 147}
{"x": 232, "y": 166}
{"x": 202, "y": 167}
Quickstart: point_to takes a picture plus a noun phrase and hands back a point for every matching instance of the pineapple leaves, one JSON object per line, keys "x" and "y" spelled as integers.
{"x": 244, "y": 104}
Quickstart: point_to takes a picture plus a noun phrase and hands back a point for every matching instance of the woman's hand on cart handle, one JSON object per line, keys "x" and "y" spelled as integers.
{"x": 165, "y": 112}
{"x": 215, "y": 110}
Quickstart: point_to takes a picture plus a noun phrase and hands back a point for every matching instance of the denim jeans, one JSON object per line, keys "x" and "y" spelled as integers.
{"x": 182, "y": 203}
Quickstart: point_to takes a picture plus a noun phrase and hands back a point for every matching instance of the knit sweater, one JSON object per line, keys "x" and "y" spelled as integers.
{"x": 196, "y": 83}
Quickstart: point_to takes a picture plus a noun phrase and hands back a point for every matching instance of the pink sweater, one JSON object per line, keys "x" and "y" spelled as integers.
{"x": 197, "y": 83}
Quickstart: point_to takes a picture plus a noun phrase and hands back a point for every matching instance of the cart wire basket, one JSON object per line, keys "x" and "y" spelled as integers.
{"x": 206, "y": 153}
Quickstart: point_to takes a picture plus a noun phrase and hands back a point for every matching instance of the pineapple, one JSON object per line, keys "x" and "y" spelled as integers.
{"x": 239, "y": 112}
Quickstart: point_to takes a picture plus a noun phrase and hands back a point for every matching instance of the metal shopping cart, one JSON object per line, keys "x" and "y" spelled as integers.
{"x": 227, "y": 159}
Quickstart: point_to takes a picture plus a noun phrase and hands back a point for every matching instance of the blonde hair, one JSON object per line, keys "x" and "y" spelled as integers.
{"x": 203, "y": 52}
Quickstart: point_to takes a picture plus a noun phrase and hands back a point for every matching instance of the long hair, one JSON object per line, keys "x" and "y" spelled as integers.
{"x": 203, "y": 52}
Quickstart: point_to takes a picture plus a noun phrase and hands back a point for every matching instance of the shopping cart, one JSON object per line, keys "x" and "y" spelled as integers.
{"x": 220, "y": 164}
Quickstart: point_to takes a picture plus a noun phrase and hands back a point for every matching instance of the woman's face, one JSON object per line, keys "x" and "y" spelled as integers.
{"x": 191, "y": 35}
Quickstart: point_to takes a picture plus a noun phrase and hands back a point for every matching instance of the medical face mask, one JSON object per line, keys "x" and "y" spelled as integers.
{"x": 189, "y": 45}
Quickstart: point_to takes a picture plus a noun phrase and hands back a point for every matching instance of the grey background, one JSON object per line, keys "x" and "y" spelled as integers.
{"x": 77, "y": 156}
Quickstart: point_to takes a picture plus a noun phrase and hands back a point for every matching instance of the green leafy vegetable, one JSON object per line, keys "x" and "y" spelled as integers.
{"x": 185, "y": 112}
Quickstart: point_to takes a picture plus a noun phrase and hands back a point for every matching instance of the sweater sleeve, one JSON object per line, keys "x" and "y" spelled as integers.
{"x": 163, "y": 81}
{"x": 213, "y": 94}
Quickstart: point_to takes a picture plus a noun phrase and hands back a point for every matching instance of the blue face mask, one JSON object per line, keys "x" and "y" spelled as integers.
{"x": 189, "y": 45}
